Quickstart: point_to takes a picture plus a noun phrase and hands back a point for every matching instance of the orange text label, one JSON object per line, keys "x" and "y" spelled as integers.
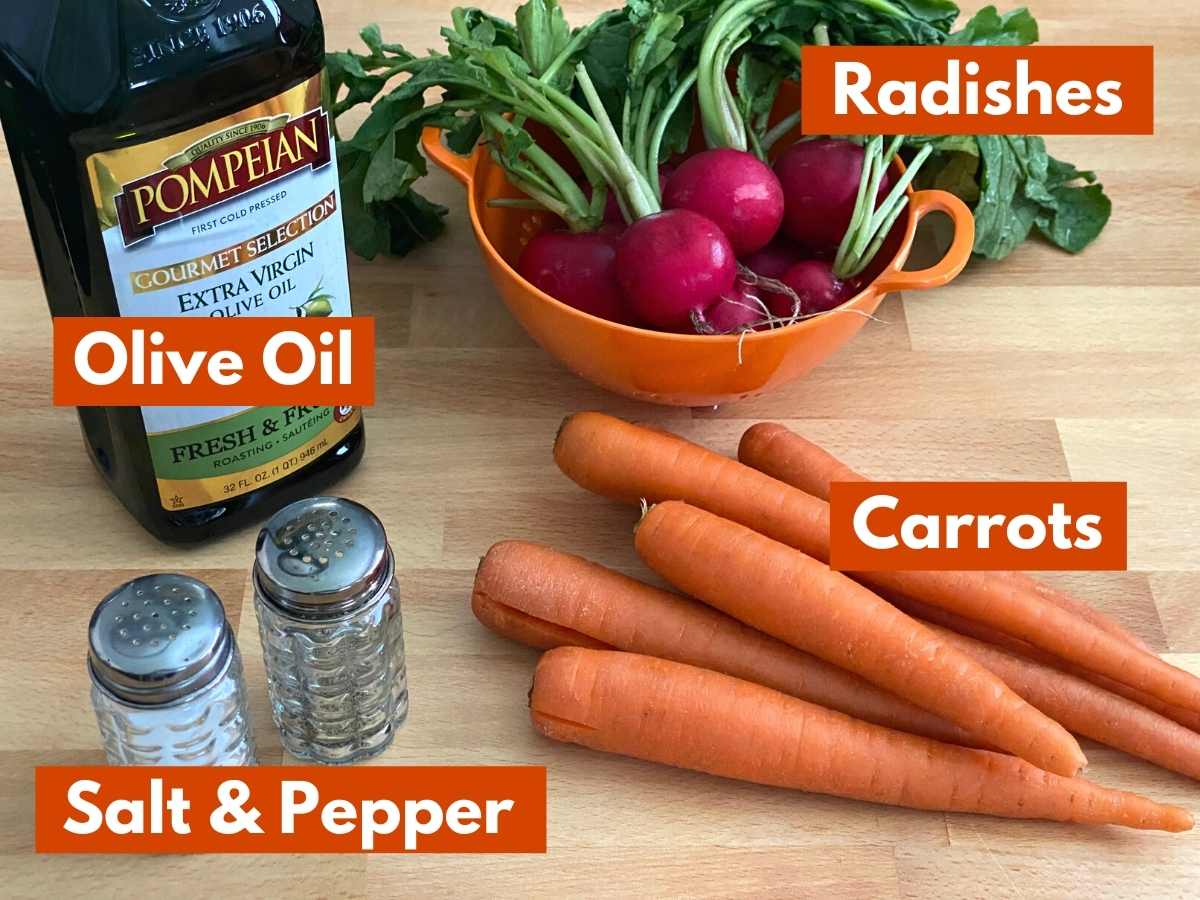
{"x": 880, "y": 526}
{"x": 241, "y": 361}
{"x": 978, "y": 90}
{"x": 291, "y": 809}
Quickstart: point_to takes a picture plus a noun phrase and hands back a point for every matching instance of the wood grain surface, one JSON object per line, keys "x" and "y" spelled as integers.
{"x": 1044, "y": 366}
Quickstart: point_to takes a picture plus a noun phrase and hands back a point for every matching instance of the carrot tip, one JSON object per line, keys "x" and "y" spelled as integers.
{"x": 646, "y": 506}
{"x": 562, "y": 427}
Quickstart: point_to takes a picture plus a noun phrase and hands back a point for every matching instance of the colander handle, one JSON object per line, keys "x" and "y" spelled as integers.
{"x": 461, "y": 167}
{"x": 923, "y": 203}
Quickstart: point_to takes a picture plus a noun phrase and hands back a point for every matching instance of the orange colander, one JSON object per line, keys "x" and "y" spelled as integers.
{"x": 680, "y": 369}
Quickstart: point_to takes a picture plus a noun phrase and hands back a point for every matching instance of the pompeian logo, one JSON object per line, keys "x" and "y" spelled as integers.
{"x": 222, "y": 166}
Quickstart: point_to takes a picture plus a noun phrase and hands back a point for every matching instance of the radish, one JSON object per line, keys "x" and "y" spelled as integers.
{"x": 673, "y": 263}
{"x": 772, "y": 261}
{"x": 820, "y": 284}
{"x": 739, "y": 310}
{"x": 670, "y": 263}
{"x": 578, "y": 269}
{"x": 820, "y": 181}
{"x": 735, "y": 189}
{"x": 612, "y": 210}
{"x": 817, "y": 287}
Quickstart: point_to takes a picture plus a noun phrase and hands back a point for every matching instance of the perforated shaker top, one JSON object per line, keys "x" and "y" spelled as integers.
{"x": 322, "y": 555}
{"x": 158, "y": 638}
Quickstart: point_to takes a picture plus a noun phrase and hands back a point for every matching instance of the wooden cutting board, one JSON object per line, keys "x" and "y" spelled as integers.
{"x": 1041, "y": 367}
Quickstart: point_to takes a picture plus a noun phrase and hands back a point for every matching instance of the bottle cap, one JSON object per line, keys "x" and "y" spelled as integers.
{"x": 158, "y": 638}
{"x": 322, "y": 557}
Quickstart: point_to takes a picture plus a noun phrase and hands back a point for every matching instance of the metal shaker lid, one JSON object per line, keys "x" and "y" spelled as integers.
{"x": 322, "y": 556}
{"x": 158, "y": 638}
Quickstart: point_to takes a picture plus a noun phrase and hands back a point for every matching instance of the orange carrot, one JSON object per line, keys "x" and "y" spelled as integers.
{"x": 971, "y": 629}
{"x": 1186, "y": 717}
{"x": 918, "y": 610}
{"x": 625, "y": 462}
{"x": 680, "y": 715}
{"x": 1086, "y": 709}
{"x": 793, "y": 597}
{"x": 784, "y": 455}
{"x": 1081, "y": 608}
{"x": 541, "y": 597}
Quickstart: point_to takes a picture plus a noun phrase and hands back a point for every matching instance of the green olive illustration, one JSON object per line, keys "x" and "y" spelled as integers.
{"x": 316, "y": 306}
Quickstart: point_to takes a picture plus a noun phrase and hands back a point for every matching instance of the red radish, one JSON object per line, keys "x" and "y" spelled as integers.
{"x": 772, "y": 261}
{"x": 612, "y": 210}
{"x": 739, "y": 310}
{"x": 816, "y": 286}
{"x": 578, "y": 269}
{"x": 820, "y": 180}
{"x": 736, "y": 190}
{"x": 671, "y": 264}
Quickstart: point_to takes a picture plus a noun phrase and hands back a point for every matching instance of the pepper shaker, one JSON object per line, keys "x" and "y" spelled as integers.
{"x": 329, "y": 618}
{"x": 167, "y": 682}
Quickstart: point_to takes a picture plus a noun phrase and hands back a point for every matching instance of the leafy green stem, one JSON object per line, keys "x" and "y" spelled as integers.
{"x": 578, "y": 40}
{"x": 654, "y": 148}
{"x": 631, "y": 185}
{"x": 773, "y": 134}
{"x": 544, "y": 179}
{"x": 869, "y": 227}
{"x": 722, "y": 124}
{"x": 639, "y": 146}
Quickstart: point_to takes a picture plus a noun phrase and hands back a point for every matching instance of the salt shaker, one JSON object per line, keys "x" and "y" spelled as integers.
{"x": 167, "y": 683}
{"x": 328, "y": 609}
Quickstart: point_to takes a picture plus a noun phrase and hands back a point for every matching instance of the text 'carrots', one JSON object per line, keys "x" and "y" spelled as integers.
{"x": 626, "y": 462}
{"x": 799, "y": 600}
{"x": 683, "y": 716}
{"x": 541, "y": 597}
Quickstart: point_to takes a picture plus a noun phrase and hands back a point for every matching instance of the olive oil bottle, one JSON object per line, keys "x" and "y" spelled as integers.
{"x": 174, "y": 159}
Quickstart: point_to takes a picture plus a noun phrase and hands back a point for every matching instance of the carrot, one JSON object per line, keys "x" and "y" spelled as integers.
{"x": 784, "y": 455}
{"x": 1081, "y": 608}
{"x": 949, "y": 620}
{"x": 918, "y": 610}
{"x": 625, "y": 462}
{"x": 793, "y": 597}
{"x": 680, "y": 715}
{"x": 1086, "y": 709}
{"x": 541, "y": 597}
{"x": 1186, "y": 717}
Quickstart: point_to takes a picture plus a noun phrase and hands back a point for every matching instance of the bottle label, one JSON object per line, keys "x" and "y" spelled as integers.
{"x": 237, "y": 217}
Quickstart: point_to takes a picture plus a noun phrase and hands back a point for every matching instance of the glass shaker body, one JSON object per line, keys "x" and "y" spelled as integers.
{"x": 167, "y": 680}
{"x": 329, "y": 617}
